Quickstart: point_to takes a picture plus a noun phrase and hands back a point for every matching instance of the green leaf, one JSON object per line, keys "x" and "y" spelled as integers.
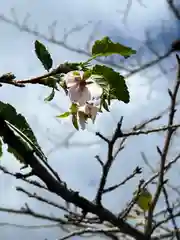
{"x": 76, "y": 73}
{"x": 1, "y": 152}
{"x": 112, "y": 83}
{"x": 87, "y": 74}
{"x": 75, "y": 122}
{"x": 64, "y": 115}
{"x": 73, "y": 108}
{"x": 16, "y": 154}
{"x": 105, "y": 105}
{"x": 104, "y": 101}
{"x": 19, "y": 124}
{"x": 43, "y": 55}
{"x": 63, "y": 85}
{"x": 144, "y": 199}
{"x": 50, "y": 97}
{"x": 105, "y": 47}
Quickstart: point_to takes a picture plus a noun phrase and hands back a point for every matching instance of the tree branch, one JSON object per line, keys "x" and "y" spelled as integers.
{"x": 61, "y": 189}
{"x": 164, "y": 152}
{"x": 109, "y": 162}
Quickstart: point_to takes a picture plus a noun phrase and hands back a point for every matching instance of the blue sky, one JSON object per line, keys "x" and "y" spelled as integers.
{"x": 79, "y": 171}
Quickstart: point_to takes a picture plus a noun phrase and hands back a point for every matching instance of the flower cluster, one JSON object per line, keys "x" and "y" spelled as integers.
{"x": 82, "y": 91}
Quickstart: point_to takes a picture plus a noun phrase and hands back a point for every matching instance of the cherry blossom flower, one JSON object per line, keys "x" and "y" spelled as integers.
{"x": 77, "y": 90}
{"x": 89, "y": 110}
{"x": 81, "y": 90}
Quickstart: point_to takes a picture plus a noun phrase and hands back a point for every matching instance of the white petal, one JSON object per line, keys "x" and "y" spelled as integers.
{"x": 82, "y": 108}
{"x": 84, "y": 96}
{"x": 74, "y": 93}
{"x": 95, "y": 101}
{"x": 82, "y": 121}
{"x": 94, "y": 111}
{"x": 95, "y": 90}
{"x": 71, "y": 79}
{"x": 89, "y": 110}
{"x": 79, "y": 96}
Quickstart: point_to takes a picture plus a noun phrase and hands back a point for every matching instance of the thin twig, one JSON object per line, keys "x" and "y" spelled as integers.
{"x": 62, "y": 190}
{"x": 154, "y": 130}
{"x": 32, "y": 182}
{"x": 174, "y": 8}
{"x": 163, "y": 155}
{"x": 89, "y": 230}
{"x": 131, "y": 176}
{"x": 29, "y": 212}
{"x": 52, "y": 39}
{"x": 42, "y": 199}
{"x": 171, "y": 214}
{"x": 109, "y": 162}
{"x": 7, "y": 224}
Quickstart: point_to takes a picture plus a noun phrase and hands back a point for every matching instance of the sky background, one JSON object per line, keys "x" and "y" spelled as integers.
{"x": 74, "y": 159}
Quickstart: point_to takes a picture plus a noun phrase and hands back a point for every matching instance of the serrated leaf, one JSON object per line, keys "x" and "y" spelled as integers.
{"x": 105, "y": 47}
{"x": 64, "y": 115}
{"x": 19, "y": 124}
{"x": 50, "y": 97}
{"x": 43, "y": 55}
{"x": 75, "y": 122}
{"x": 112, "y": 82}
{"x": 1, "y": 152}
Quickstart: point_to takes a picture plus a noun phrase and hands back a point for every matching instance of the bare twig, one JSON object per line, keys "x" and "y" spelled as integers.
{"x": 6, "y": 224}
{"x": 29, "y": 212}
{"x": 165, "y": 220}
{"x": 102, "y": 137}
{"x": 173, "y": 8}
{"x": 154, "y": 171}
{"x": 42, "y": 199}
{"x": 32, "y": 182}
{"x": 100, "y": 161}
{"x": 166, "y": 168}
{"x": 61, "y": 189}
{"x": 8, "y": 78}
{"x": 164, "y": 153}
{"x": 123, "y": 214}
{"x": 171, "y": 214}
{"x": 109, "y": 161}
{"x": 154, "y": 130}
{"x": 131, "y": 176}
{"x": 127, "y": 9}
{"x": 90, "y": 230}
{"x": 52, "y": 39}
